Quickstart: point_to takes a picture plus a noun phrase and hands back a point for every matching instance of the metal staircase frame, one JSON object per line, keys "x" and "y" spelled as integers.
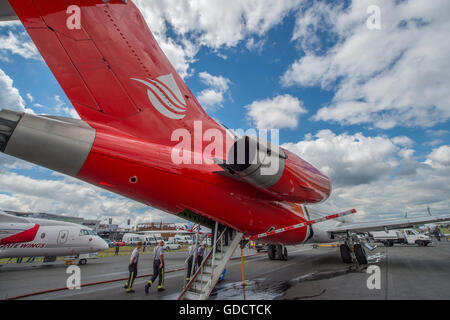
{"x": 205, "y": 278}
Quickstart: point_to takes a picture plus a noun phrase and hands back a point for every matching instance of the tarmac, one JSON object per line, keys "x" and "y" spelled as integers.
{"x": 405, "y": 272}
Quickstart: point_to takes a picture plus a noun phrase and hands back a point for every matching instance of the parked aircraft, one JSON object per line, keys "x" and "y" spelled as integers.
{"x": 30, "y": 237}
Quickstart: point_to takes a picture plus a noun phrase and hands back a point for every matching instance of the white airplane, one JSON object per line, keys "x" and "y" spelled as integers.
{"x": 30, "y": 237}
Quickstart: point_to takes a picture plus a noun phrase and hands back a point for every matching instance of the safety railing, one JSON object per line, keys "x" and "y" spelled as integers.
{"x": 200, "y": 270}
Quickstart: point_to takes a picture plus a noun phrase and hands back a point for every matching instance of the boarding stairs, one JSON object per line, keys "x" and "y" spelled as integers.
{"x": 208, "y": 274}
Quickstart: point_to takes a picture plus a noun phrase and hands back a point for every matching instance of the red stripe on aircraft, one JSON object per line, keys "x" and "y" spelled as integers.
{"x": 24, "y": 236}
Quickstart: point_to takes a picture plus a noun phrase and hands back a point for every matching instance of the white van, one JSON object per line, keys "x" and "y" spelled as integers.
{"x": 183, "y": 239}
{"x": 132, "y": 239}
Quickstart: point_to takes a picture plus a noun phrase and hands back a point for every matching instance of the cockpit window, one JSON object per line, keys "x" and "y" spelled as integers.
{"x": 84, "y": 232}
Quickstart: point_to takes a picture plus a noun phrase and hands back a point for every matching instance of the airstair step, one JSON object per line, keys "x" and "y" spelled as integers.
{"x": 205, "y": 277}
{"x": 192, "y": 296}
{"x": 199, "y": 286}
{"x": 195, "y": 290}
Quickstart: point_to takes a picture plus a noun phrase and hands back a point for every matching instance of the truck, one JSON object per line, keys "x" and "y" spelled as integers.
{"x": 183, "y": 239}
{"x": 407, "y": 236}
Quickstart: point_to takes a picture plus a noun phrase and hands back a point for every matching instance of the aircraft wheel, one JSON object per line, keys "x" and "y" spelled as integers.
{"x": 271, "y": 251}
{"x": 345, "y": 253}
{"x": 279, "y": 252}
{"x": 285, "y": 254}
{"x": 360, "y": 254}
{"x": 82, "y": 262}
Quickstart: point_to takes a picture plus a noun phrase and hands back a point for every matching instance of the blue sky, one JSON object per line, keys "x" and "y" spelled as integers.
{"x": 369, "y": 107}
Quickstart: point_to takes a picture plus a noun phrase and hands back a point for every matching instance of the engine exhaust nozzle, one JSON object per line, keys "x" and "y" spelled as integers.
{"x": 57, "y": 143}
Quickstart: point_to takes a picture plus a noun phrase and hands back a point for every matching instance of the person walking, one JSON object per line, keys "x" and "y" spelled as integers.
{"x": 189, "y": 261}
{"x": 158, "y": 267}
{"x": 200, "y": 254}
{"x": 132, "y": 268}
{"x": 117, "y": 249}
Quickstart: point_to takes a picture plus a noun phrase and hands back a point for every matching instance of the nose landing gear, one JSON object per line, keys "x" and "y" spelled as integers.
{"x": 277, "y": 252}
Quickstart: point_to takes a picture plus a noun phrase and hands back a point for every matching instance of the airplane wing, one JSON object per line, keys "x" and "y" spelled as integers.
{"x": 387, "y": 224}
{"x": 110, "y": 66}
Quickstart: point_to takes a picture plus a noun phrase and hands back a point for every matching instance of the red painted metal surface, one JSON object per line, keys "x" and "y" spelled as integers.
{"x": 24, "y": 236}
{"x": 109, "y": 69}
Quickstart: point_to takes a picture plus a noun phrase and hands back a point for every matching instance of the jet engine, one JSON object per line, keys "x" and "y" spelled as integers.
{"x": 276, "y": 171}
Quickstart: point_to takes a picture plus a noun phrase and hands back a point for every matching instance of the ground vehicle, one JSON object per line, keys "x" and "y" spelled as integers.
{"x": 183, "y": 239}
{"x": 259, "y": 246}
{"x": 171, "y": 246}
{"x": 132, "y": 238}
{"x": 120, "y": 243}
{"x": 150, "y": 240}
{"x": 407, "y": 236}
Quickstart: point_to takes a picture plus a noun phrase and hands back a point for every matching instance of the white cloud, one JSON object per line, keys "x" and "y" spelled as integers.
{"x": 377, "y": 178}
{"x": 72, "y": 197}
{"x": 398, "y": 75}
{"x": 348, "y": 159}
{"x": 213, "y": 24}
{"x": 403, "y": 141}
{"x": 30, "y": 97}
{"x": 280, "y": 112}
{"x": 10, "y": 97}
{"x": 19, "y": 43}
{"x": 214, "y": 95}
{"x": 253, "y": 45}
{"x": 440, "y": 157}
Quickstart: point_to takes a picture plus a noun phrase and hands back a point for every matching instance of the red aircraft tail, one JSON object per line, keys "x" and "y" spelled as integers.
{"x": 110, "y": 66}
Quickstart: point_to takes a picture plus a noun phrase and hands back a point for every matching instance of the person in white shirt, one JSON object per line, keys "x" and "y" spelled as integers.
{"x": 158, "y": 267}
{"x": 189, "y": 261}
{"x": 132, "y": 267}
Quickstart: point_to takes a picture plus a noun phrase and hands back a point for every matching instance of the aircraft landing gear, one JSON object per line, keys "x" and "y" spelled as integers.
{"x": 346, "y": 253}
{"x": 352, "y": 250}
{"x": 277, "y": 252}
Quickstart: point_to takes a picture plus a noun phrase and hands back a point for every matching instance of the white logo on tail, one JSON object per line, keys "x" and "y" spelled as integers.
{"x": 165, "y": 96}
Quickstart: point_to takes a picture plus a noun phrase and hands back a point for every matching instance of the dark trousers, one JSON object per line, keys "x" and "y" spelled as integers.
{"x": 189, "y": 266}
{"x": 199, "y": 261}
{"x": 133, "y": 273}
{"x": 157, "y": 271}
{"x": 226, "y": 237}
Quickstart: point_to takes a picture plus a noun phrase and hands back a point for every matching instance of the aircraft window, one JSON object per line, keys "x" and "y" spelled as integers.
{"x": 84, "y": 232}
